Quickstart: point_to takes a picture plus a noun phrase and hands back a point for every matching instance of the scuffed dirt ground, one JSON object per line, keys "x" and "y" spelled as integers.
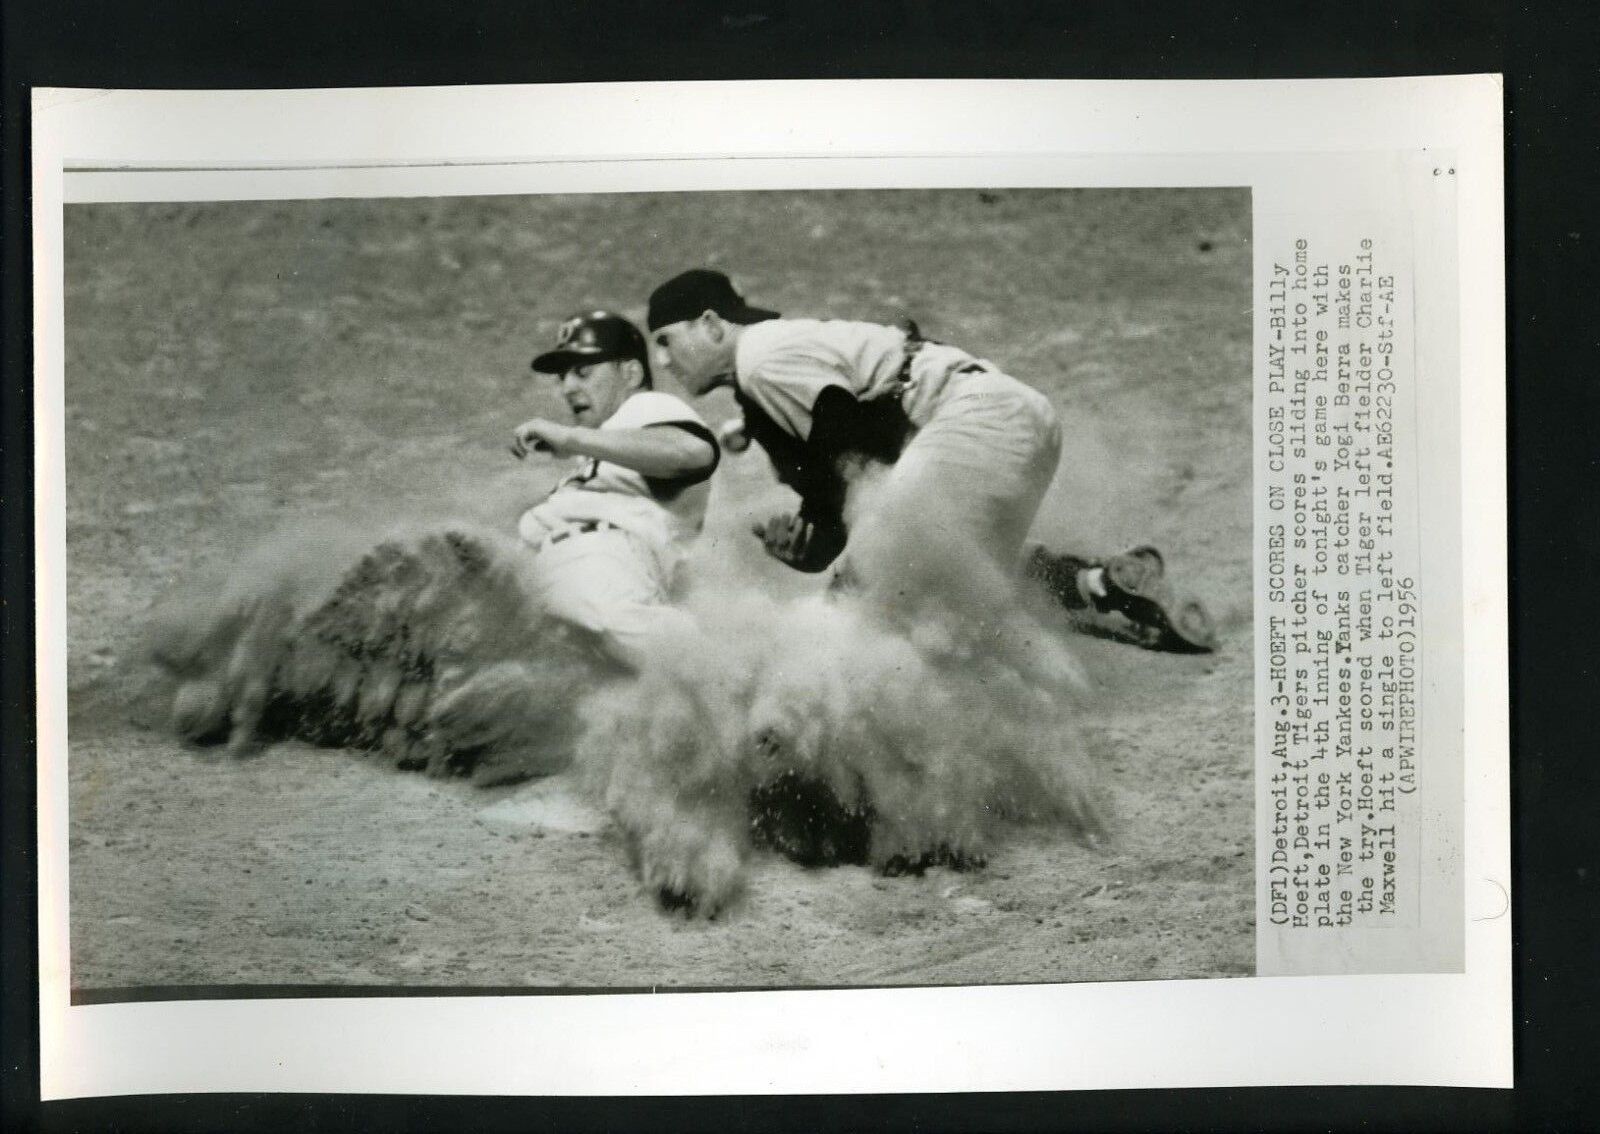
{"x": 239, "y": 369}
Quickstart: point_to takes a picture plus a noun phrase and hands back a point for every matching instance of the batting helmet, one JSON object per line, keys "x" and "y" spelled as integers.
{"x": 597, "y": 336}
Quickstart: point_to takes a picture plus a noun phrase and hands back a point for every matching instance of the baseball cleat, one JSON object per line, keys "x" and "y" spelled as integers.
{"x": 1132, "y": 585}
{"x": 1136, "y": 587}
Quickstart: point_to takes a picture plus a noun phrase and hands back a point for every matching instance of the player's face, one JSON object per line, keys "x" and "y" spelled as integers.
{"x": 691, "y": 354}
{"x": 596, "y": 391}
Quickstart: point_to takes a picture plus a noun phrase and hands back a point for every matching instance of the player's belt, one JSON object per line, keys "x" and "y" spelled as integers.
{"x": 582, "y": 527}
{"x": 913, "y": 346}
{"x": 903, "y": 378}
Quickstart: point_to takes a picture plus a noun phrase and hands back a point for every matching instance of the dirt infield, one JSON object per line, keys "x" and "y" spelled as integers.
{"x": 239, "y": 370}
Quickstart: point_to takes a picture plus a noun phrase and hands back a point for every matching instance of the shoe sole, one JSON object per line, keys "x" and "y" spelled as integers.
{"x": 1148, "y": 600}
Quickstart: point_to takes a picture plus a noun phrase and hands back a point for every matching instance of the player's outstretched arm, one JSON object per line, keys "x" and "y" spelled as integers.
{"x": 653, "y": 451}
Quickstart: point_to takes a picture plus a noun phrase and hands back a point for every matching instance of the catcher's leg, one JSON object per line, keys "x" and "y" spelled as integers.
{"x": 970, "y": 480}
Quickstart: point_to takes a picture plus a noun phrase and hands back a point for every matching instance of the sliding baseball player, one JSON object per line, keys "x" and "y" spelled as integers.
{"x": 610, "y": 537}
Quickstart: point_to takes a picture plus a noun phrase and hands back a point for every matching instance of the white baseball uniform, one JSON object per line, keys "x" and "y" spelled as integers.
{"x": 985, "y": 445}
{"x": 609, "y": 541}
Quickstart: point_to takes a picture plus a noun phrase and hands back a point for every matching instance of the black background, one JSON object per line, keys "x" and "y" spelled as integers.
{"x": 1549, "y": 52}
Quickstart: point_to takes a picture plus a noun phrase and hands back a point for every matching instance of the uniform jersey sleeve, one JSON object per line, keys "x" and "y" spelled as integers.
{"x": 652, "y": 409}
{"x": 668, "y": 487}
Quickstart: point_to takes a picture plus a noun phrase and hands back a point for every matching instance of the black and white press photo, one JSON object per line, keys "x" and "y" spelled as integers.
{"x": 953, "y": 587}
{"x": 672, "y": 590}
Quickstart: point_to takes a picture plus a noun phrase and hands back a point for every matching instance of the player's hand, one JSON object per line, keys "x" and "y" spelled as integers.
{"x": 786, "y": 537}
{"x": 541, "y": 436}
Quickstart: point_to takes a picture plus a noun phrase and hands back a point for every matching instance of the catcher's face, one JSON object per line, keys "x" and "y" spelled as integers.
{"x": 596, "y": 391}
{"x": 697, "y": 352}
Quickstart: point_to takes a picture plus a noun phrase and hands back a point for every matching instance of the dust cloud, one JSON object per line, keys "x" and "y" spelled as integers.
{"x": 918, "y": 698}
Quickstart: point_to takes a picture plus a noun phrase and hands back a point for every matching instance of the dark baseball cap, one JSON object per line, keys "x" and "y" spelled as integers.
{"x": 597, "y": 336}
{"x": 691, "y": 294}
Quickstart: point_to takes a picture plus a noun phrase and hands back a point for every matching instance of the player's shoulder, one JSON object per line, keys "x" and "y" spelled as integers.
{"x": 778, "y": 338}
{"x": 758, "y": 340}
{"x": 652, "y": 407}
{"x": 799, "y": 334}
{"x": 780, "y": 344}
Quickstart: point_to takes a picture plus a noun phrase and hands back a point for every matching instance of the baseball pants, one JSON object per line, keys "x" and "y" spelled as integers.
{"x": 976, "y": 472}
{"x": 613, "y": 585}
